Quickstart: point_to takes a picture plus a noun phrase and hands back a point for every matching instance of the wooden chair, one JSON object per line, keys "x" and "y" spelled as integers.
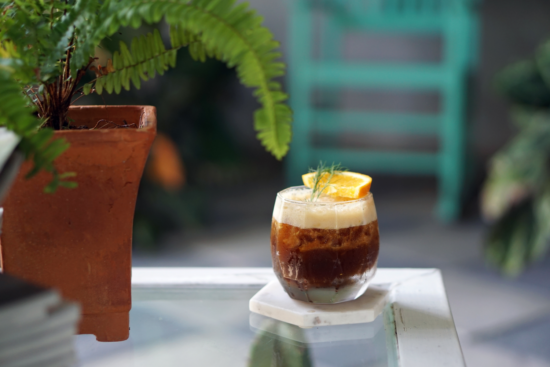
{"x": 455, "y": 21}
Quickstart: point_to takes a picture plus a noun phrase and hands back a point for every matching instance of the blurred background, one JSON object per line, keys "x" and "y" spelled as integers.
{"x": 208, "y": 191}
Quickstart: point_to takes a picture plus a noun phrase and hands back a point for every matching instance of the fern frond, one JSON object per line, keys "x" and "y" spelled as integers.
{"x": 62, "y": 35}
{"x": 22, "y": 24}
{"x": 221, "y": 29}
{"x": 36, "y": 143}
{"x": 51, "y": 36}
{"x": 147, "y": 57}
{"x": 235, "y": 34}
{"x": 15, "y": 113}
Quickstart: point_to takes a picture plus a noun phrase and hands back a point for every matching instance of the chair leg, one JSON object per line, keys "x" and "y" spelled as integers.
{"x": 300, "y": 41}
{"x": 331, "y": 50}
{"x": 299, "y": 156}
{"x": 474, "y": 29}
{"x": 451, "y": 171}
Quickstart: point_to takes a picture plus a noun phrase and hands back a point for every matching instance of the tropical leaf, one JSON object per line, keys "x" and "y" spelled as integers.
{"x": 519, "y": 170}
{"x": 541, "y": 240}
{"x": 516, "y": 194}
{"x": 507, "y": 246}
{"x": 522, "y": 83}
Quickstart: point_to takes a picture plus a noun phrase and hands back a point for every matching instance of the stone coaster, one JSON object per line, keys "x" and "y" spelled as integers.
{"x": 272, "y": 301}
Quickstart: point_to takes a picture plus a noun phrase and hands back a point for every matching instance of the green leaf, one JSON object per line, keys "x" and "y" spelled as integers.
{"x": 68, "y": 184}
{"x": 18, "y": 117}
{"x": 67, "y": 175}
{"x": 109, "y": 83}
{"x": 541, "y": 241}
{"x": 210, "y": 28}
{"x": 522, "y": 83}
{"x": 506, "y": 246}
{"x": 519, "y": 170}
{"x": 229, "y": 32}
{"x": 99, "y": 85}
{"x": 87, "y": 88}
{"x": 51, "y": 187}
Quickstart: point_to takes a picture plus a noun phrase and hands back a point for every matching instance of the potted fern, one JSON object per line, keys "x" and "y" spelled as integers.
{"x": 68, "y": 217}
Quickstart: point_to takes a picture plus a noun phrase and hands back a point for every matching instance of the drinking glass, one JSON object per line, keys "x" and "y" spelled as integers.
{"x": 324, "y": 251}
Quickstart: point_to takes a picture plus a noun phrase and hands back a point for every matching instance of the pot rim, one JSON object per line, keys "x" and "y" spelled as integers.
{"x": 149, "y": 117}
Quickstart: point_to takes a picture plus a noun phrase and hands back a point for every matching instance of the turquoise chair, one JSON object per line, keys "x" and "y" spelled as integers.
{"x": 455, "y": 21}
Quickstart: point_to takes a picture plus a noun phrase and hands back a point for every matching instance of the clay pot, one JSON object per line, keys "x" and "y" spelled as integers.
{"x": 80, "y": 240}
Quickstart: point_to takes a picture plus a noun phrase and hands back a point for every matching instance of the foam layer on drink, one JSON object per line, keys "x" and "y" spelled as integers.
{"x": 292, "y": 207}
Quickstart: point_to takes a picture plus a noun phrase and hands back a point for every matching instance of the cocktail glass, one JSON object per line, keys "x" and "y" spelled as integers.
{"x": 324, "y": 251}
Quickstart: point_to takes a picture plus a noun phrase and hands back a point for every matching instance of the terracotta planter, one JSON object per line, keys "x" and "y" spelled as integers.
{"x": 80, "y": 240}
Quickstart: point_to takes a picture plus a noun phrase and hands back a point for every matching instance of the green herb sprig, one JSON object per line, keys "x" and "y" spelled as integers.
{"x": 320, "y": 171}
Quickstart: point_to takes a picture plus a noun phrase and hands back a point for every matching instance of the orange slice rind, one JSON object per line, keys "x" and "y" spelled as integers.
{"x": 350, "y": 185}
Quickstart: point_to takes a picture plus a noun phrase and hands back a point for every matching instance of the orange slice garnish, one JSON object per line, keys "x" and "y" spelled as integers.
{"x": 350, "y": 185}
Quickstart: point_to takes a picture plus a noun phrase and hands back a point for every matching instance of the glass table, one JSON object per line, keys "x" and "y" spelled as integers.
{"x": 200, "y": 317}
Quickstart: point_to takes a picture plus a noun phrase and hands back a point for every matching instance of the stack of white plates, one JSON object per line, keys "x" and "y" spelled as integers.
{"x": 36, "y": 326}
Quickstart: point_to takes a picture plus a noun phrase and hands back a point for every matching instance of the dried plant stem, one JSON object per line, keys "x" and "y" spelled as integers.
{"x": 112, "y": 123}
{"x": 58, "y": 96}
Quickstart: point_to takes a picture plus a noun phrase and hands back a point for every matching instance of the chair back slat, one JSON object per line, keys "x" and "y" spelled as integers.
{"x": 395, "y": 7}
{"x": 374, "y": 6}
{"x": 418, "y": 16}
{"x": 356, "y": 5}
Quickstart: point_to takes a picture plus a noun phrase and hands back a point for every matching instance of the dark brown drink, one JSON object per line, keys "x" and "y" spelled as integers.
{"x": 327, "y": 264}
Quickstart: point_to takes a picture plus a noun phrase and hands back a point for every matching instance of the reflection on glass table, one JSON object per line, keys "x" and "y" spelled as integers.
{"x": 200, "y": 317}
{"x": 214, "y": 328}
{"x": 284, "y": 344}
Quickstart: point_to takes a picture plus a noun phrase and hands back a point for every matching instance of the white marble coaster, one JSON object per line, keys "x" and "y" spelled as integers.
{"x": 272, "y": 301}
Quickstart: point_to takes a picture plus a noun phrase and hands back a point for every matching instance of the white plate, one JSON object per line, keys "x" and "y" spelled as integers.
{"x": 41, "y": 347}
{"x": 65, "y": 315}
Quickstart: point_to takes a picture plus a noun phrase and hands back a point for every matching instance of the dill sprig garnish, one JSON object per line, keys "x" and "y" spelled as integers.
{"x": 322, "y": 169}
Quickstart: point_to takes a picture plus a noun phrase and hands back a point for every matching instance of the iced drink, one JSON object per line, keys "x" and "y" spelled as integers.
{"x": 324, "y": 251}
